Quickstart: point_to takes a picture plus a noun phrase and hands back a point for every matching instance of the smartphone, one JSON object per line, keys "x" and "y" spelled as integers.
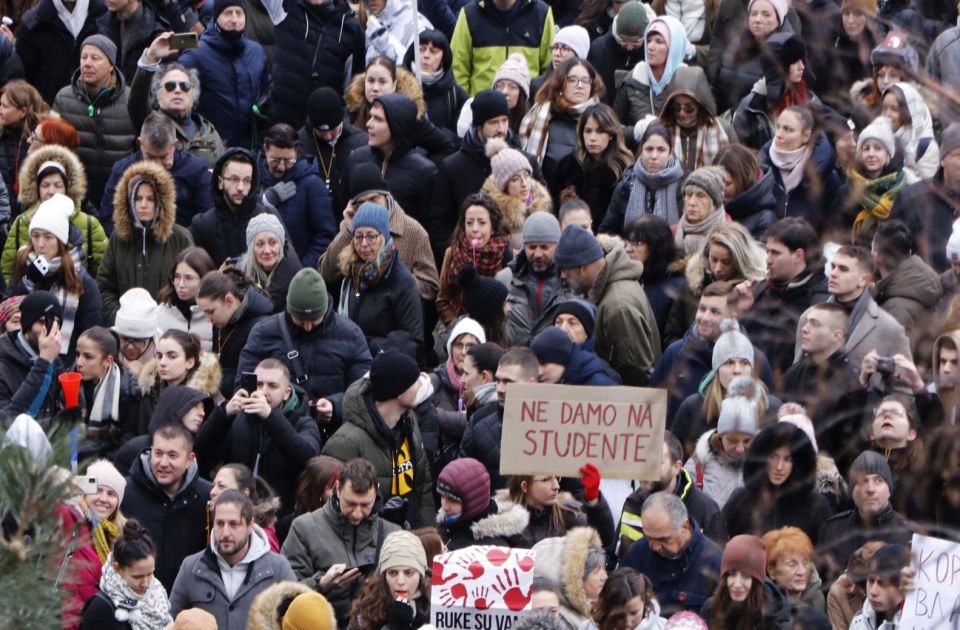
{"x": 363, "y": 566}
{"x": 248, "y": 381}
{"x": 49, "y": 318}
{"x": 183, "y": 41}
{"x": 87, "y": 485}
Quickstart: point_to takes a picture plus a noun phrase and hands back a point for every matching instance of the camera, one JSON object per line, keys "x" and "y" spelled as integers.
{"x": 38, "y": 268}
{"x": 885, "y": 365}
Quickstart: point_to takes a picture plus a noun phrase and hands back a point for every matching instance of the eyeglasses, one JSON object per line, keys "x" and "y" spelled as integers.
{"x": 369, "y": 238}
{"x": 687, "y": 108}
{"x": 886, "y": 412}
{"x": 176, "y": 278}
{"x": 277, "y": 161}
{"x": 462, "y": 345}
{"x": 133, "y": 341}
{"x": 234, "y": 180}
{"x": 170, "y": 86}
{"x": 579, "y": 81}
{"x": 561, "y": 48}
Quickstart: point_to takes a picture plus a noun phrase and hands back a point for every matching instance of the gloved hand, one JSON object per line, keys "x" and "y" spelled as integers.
{"x": 591, "y": 482}
{"x": 279, "y": 192}
{"x": 426, "y": 389}
{"x": 400, "y": 616}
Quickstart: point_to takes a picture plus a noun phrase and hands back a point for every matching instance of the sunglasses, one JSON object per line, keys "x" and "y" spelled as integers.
{"x": 170, "y": 86}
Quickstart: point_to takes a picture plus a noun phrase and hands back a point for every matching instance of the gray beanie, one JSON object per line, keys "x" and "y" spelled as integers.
{"x": 577, "y": 248}
{"x": 265, "y": 222}
{"x": 710, "y": 180}
{"x": 740, "y": 409}
{"x": 870, "y": 463}
{"x": 732, "y": 344}
{"x": 541, "y": 227}
{"x": 105, "y": 44}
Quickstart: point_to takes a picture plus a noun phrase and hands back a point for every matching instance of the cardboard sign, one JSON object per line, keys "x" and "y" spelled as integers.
{"x": 556, "y": 429}
{"x": 935, "y": 603}
{"x": 481, "y": 588}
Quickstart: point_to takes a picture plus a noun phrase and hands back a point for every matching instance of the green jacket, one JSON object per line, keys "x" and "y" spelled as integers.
{"x": 94, "y": 240}
{"x": 626, "y": 329}
{"x": 481, "y": 42}
{"x": 362, "y": 435}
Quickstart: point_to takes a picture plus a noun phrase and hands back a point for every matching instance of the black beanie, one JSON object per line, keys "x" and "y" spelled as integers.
{"x": 488, "y": 104}
{"x": 483, "y": 297}
{"x": 219, "y": 6}
{"x": 391, "y": 374}
{"x": 366, "y": 177}
{"x": 324, "y": 109}
{"x": 35, "y": 305}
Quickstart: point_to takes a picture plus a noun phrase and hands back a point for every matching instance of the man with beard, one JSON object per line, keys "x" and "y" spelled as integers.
{"x": 224, "y": 578}
{"x": 533, "y": 279}
{"x": 30, "y": 358}
{"x": 674, "y": 479}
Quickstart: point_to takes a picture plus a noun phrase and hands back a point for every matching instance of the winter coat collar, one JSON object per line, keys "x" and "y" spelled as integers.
{"x": 619, "y": 268}
{"x": 912, "y": 280}
{"x": 206, "y": 378}
{"x": 142, "y": 472}
{"x": 515, "y": 211}
{"x": 76, "y": 175}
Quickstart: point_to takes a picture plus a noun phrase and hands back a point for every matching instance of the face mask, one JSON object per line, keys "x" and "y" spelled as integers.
{"x": 450, "y": 520}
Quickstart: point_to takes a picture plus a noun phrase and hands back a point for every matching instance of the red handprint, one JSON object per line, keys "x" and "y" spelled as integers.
{"x": 508, "y": 586}
{"x": 439, "y": 576}
{"x": 471, "y": 563}
{"x": 451, "y": 596}
{"x": 480, "y": 600}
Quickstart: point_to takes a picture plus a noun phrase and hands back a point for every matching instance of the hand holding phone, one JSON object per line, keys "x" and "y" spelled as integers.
{"x": 248, "y": 382}
{"x": 183, "y": 41}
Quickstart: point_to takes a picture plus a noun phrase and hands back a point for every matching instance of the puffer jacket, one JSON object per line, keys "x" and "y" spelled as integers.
{"x": 49, "y": 52}
{"x": 169, "y": 317}
{"x": 754, "y": 207}
{"x": 93, "y": 239}
{"x": 409, "y": 174}
{"x": 575, "y": 514}
{"x": 235, "y": 77}
{"x": 562, "y": 560}
{"x": 635, "y": 100}
{"x": 136, "y": 257}
{"x": 191, "y": 180}
{"x": 910, "y": 293}
{"x": 481, "y": 441}
{"x": 608, "y": 56}
{"x": 364, "y": 434}
{"x": 105, "y": 137}
{"x": 276, "y": 447}
{"x": 924, "y": 163}
{"x": 527, "y": 318}
{"x": 311, "y": 48}
{"x": 626, "y": 330}
{"x": 308, "y": 214}
{"x": 263, "y": 611}
{"x": 177, "y": 524}
{"x": 561, "y": 139}
{"x": 13, "y": 152}
{"x": 323, "y": 538}
{"x": 585, "y": 368}
{"x": 391, "y": 32}
{"x": 230, "y": 340}
{"x": 720, "y": 474}
{"x": 818, "y": 190}
{"x": 205, "y": 378}
{"x": 333, "y": 354}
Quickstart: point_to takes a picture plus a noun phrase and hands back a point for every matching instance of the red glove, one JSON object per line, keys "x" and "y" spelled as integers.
{"x": 591, "y": 482}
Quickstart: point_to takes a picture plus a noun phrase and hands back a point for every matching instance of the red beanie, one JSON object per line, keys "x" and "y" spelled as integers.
{"x": 745, "y": 553}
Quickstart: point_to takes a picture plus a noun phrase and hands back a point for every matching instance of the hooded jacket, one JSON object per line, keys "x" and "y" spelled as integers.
{"x": 527, "y": 318}
{"x": 719, "y": 474}
{"x": 364, "y": 434}
{"x": 760, "y": 506}
{"x": 177, "y": 524}
{"x": 235, "y": 77}
{"x": 136, "y": 256}
{"x": 263, "y": 611}
{"x": 308, "y": 215}
{"x": 205, "y": 378}
{"x": 311, "y": 48}
{"x": 191, "y": 180}
{"x": 93, "y": 239}
{"x": 409, "y": 174}
{"x": 502, "y": 524}
{"x": 106, "y": 137}
{"x": 276, "y": 447}
{"x": 910, "y": 294}
{"x": 323, "y": 538}
{"x": 923, "y": 163}
{"x": 626, "y": 330}
{"x": 201, "y": 581}
{"x": 230, "y": 340}
{"x": 635, "y": 99}
{"x": 562, "y": 561}
{"x": 690, "y": 81}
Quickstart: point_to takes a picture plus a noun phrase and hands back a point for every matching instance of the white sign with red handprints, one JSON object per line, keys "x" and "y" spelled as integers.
{"x": 481, "y": 588}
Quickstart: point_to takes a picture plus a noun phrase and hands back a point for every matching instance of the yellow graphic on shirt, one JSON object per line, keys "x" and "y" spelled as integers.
{"x": 402, "y": 482}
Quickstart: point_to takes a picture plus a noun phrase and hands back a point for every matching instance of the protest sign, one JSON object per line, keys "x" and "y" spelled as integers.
{"x": 481, "y": 588}
{"x": 556, "y": 429}
{"x": 935, "y": 603}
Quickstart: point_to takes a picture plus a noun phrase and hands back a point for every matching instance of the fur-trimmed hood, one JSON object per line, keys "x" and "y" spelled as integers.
{"x": 206, "y": 378}
{"x": 76, "y": 175}
{"x": 406, "y": 85}
{"x": 708, "y": 448}
{"x": 562, "y": 560}
{"x": 263, "y": 611}
{"x": 510, "y": 519}
{"x": 514, "y": 210}
{"x": 163, "y": 188}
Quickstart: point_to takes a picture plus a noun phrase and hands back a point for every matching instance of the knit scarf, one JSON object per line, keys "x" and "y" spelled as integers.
{"x": 68, "y": 301}
{"x": 535, "y": 126}
{"x": 663, "y": 184}
{"x": 690, "y": 236}
{"x": 790, "y": 163}
{"x": 103, "y": 534}
{"x": 710, "y": 139}
{"x": 105, "y": 412}
{"x": 877, "y": 197}
{"x": 151, "y": 611}
{"x": 487, "y": 260}
{"x": 364, "y": 275}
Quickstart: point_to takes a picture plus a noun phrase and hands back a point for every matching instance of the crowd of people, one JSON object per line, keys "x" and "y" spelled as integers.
{"x": 297, "y": 250}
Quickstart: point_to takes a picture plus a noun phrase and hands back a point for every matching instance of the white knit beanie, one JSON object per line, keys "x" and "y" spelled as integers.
{"x": 465, "y": 326}
{"x": 732, "y": 344}
{"x": 576, "y": 38}
{"x": 782, "y": 7}
{"x": 740, "y": 409}
{"x": 880, "y": 129}
{"x": 53, "y": 215}
{"x": 137, "y": 317}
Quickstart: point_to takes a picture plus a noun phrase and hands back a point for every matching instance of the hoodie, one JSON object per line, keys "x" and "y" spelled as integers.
{"x": 234, "y": 576}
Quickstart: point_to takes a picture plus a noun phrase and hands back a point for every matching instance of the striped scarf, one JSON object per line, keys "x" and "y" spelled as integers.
{"x": 876, "y": 199}
{"x": 710, "y": 139}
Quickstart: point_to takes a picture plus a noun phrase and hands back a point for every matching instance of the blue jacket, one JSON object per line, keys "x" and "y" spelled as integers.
{"x": 190, "y": 177}
{"x": 235, "y": 76}
{"x": 308, "y": 215}
{"x": 586, "y": 368}
{"x": 684, "y": 582}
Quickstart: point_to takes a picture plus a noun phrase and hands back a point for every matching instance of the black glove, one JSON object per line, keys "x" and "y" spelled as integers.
{"x": 400, "y": 616}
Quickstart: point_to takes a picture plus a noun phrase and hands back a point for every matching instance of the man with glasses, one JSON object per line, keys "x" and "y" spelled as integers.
{"x": 682, "y": 562}
{"x": 622, "y": 48}
{"x": 158, "y": 143}
{"x": 291, "y": 185}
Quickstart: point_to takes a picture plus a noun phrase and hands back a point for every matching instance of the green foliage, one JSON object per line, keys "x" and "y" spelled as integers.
{"x": 33, "y": 542}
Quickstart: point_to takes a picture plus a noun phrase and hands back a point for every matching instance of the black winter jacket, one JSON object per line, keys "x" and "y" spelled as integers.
{"x": 48, "y": 51}
{"x": 178, "y": 525}
{"x": 754, "y": 208}
{"x": 846, "y": 532}
{"x": 229, "y": 341}
{"x": 608, "y": 56}
{"x": 816, "y": 193}
{"x": 481, "y": 441}
{"x": 311, "y": 49}
{"x": 335, "y": 159}
{"x": 98, "y": 614}
{"x": 13, "y": 150}
{"x": 26, "y": 386}
{"x": 929, "y": 208}
{"x": 148, "y": 26}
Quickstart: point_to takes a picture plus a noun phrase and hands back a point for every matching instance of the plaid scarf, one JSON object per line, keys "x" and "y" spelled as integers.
{"x": 876, "y": 199}
{"x": 710, "y": 139}
{"x": 150, "y": 611}
{"x": 487, "y": 260}
{"x": 535, "y": 126}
